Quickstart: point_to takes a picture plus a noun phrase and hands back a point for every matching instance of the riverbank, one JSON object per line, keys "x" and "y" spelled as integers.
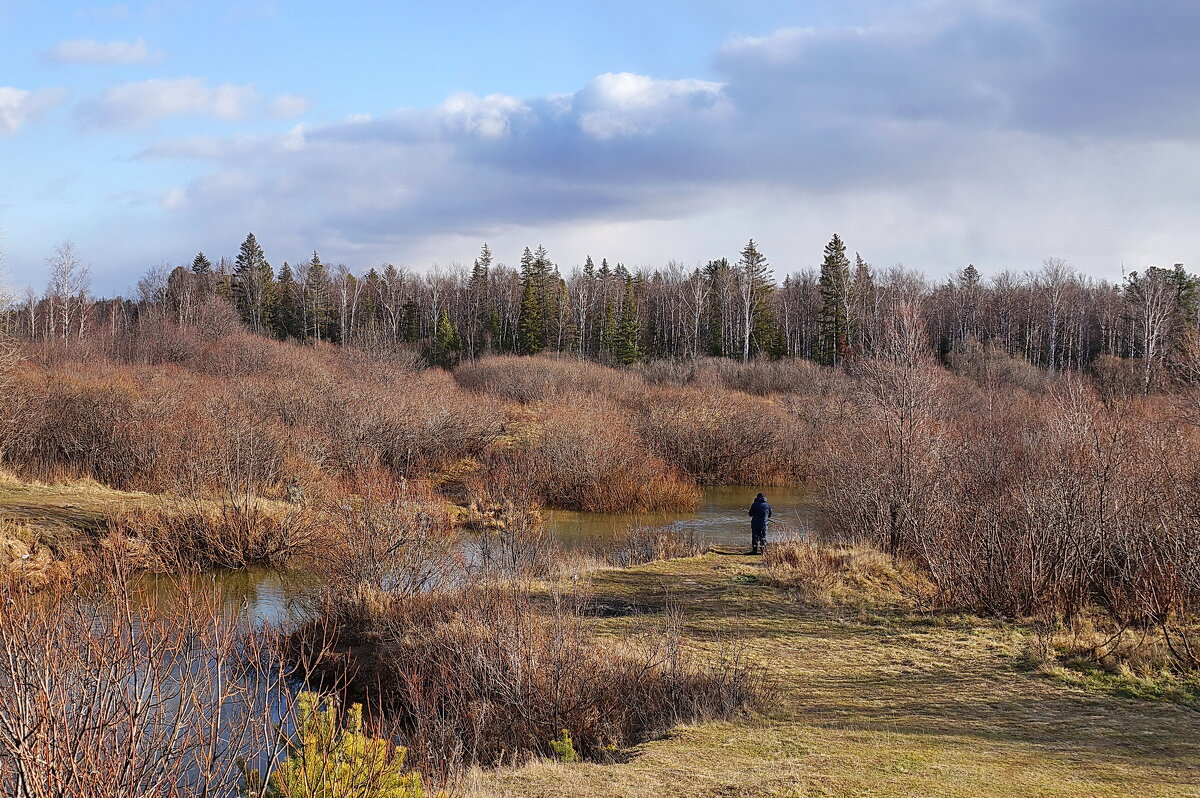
{"x": 867, "y": 698}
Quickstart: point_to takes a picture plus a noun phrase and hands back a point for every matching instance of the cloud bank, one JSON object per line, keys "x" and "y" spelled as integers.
{"x": 1013, "y": 129}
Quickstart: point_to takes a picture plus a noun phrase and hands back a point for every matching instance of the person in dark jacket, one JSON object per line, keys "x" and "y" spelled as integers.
{"x": 760, "y": 519}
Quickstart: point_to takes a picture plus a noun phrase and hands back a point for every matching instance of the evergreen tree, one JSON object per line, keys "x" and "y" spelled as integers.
{"x": 320, "y": 322}
{"x": 535, "y": 309}
{"x": 410, "y": 326}
{"x": 719, "y": 274}
{"x": 627, "y": 346}
{"x": 835, "y": 299}
{"x": 446, "y": 347}
{"x": 201, "y": 264}
{"x": 288, "y": 316}
{"x": 969, "y": 277}
{"x": 478, "y": 302}
{"x": 755, "y": 287}
{"x": 254, "y": 286}
{"x": 862, "y": 305}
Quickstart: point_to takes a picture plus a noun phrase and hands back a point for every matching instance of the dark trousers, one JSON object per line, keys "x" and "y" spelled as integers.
{"x": 758, "y": 538}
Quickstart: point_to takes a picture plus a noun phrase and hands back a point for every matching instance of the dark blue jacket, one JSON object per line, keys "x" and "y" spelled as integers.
{"x": 760, "y": 514}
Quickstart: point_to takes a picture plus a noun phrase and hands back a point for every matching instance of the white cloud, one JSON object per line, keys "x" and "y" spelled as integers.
{"x": 135, "y": 104}
{"x": 626, "y": 104}
{"x": 18, "y": 106}
{"x": 489, "y": 117}
{"x": 956, "y": 133}
{"x": 287, "y": 106}
{"x": 89, "y": 51}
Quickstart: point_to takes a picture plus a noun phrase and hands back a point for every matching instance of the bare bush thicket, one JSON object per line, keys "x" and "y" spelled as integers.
{"x": 1024, "y": 505}
{"x": 110, "y": 693}
{"x": 180, "y": 536}
{"x": 491, "y": 674}
{"x": 639, "y": 545}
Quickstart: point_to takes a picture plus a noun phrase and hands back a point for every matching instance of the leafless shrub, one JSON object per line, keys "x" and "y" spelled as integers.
{"x": 724, "y": 438}
{"x": 586, "y": 457}
{"x": 513, "y": 543}
{"x": 493, "y": 673}
{"x": 531, "y": 379}
{"x": 108, "y": 692}
{"x": 1024, "y": 506}
{"x": 181, "y": 535}
{"x": 639, "y": 545}
{"x": 394, "y": 542}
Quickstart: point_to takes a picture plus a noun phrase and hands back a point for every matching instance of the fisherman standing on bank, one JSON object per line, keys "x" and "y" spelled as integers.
{"x": 760, "y": 519}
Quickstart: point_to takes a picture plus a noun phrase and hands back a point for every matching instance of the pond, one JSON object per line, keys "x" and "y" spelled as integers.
{"x": 720, "y": 519}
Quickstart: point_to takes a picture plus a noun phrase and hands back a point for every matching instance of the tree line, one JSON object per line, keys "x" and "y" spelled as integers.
{"x": 1053, "y": 317}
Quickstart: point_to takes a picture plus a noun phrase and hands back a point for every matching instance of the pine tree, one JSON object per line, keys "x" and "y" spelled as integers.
{"x": 254, "y": 286}
{"x": 201, "y": 264}
{"x": 835, "y": 295}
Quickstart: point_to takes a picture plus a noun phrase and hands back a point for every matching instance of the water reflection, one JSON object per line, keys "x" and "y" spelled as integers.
{"x": 270, "y": 596}
{"x": 720, "y": 518}
{"x": 259, "y": 595}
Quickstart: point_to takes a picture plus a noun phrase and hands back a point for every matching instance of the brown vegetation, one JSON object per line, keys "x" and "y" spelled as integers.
{"x": 493, "y": 673}
{"x": 1022, "y": 504}
{"x": 108, "y": 691}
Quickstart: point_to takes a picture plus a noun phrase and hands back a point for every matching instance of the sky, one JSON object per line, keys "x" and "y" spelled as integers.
{"x": 928, "y": 133}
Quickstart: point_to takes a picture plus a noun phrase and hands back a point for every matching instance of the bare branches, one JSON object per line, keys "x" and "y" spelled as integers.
{"x": 115, "y": 692}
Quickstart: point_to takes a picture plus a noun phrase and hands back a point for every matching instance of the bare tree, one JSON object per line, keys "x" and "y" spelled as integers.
{"x": 67, "y": 291}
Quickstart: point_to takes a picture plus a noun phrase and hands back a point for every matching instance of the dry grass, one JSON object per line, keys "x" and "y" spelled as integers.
{"x": 845, "y": 575}
{"x": 873, "y": 702}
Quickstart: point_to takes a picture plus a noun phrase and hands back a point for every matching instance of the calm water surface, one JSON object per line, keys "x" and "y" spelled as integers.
{"x": 720, "y": 519}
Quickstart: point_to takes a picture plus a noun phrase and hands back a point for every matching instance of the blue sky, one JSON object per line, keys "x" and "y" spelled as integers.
{"x": 927, "y": 132}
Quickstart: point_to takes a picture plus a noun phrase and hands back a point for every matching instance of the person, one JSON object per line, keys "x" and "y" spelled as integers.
{"x": 760, "y": 519}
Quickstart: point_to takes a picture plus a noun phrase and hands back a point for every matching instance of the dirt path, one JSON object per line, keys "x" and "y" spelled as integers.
{"x": 877, "y": 703}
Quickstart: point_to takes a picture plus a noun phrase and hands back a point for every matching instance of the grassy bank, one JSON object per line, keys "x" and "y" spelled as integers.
{"x": 871, "y": 699}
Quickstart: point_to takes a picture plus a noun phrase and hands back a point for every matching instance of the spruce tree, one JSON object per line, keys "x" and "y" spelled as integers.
{"x": 534, "y": 312}
{"x": 627, "y": 346}
{"x": 254, "y": 286}
{"x": 446, "y": 346}
{"x": 755, "y": 288}
{"x": 835, "y": 294}
{"x": 316, "y": 300}
{"x": 478, "y": 301}
{"x": 862, "y": 304}
{"x": 288, "y": 315}
{"x": 201, "y": 264}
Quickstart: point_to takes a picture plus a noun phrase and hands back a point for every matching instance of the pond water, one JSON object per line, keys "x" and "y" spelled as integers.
{"x": 720, "y": 519}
